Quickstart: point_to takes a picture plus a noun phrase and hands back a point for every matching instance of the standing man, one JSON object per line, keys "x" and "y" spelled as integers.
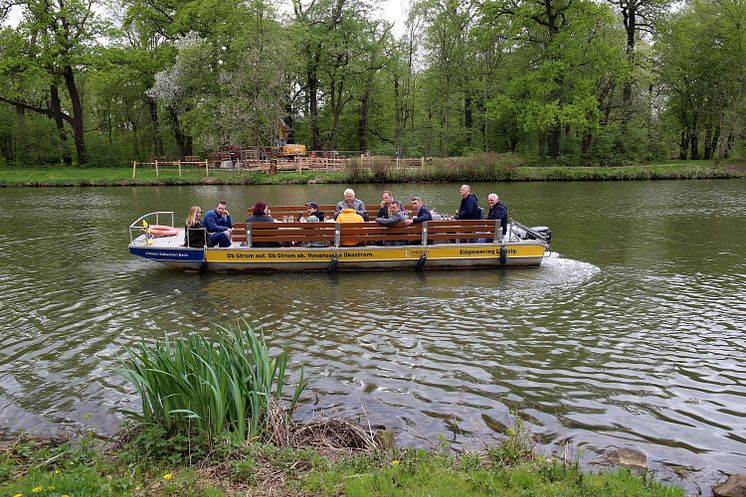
{"x": 421, "y": 214}
{"x": 219, "y": 226}
{"x": 350, "y": 202}
{"x": 498, "y": 211}
{"x": 388, "y": 199}
{"x": 469, "y": 208}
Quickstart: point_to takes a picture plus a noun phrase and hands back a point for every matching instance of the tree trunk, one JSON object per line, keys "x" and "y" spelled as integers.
{"x": 683, "y": 145}
{"x": 55, "y": 106}
{"x": 553, "y": 141}
{"x": 20, "y": 154}
{"x": 313, "y": 86}
{"x": 694, "y": 144}
{"x": 445, "y": 118}
{"x": 363, "y": 127}
{"x": 153, "y": 107}
{"x": 77, "y": 115}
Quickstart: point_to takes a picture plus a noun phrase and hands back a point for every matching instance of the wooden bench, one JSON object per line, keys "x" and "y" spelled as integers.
{"x": 371, "y": 233}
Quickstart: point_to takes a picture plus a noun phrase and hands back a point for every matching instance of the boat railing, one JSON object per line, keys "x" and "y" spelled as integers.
{"x": 521, "y": 231}
{"x": 352, "y": 234}
{"x": 138, "y": 227}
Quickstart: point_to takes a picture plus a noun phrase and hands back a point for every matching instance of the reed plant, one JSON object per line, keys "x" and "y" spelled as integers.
{"x": 224, "y": 386}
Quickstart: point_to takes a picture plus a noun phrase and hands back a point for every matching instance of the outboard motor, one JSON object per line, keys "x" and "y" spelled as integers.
{"x": 543, "y": 231}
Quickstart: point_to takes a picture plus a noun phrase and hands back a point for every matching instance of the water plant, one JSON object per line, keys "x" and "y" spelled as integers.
{"x": 226, "y": 385}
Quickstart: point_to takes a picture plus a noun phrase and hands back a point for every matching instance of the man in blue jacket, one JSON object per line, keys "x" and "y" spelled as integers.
{"x": 498, "y": 211}
{"x": 419, "y": 212}
{"x": 219, "y": 226}
{"x": 469, "y": 208}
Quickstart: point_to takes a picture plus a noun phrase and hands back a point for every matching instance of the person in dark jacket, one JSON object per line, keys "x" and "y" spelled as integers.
{"x": 469, "y": 208}
{"x": 388, "y": 199}
{"x": 219, "y": 226}
{"x": 498, "y": 211}
{"x": 421, "y": 214}
{"x": 194, "y": 232}
{"x": 313, "y": 210}
{"x": 396, "y": 217}
{"x": 260, "y": 214}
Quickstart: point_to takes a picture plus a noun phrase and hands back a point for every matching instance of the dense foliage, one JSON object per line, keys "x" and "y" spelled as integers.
{"x": 563, "y": 81}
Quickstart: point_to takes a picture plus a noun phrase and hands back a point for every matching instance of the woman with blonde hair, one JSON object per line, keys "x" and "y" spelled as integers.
{"x": 194, "y": 232}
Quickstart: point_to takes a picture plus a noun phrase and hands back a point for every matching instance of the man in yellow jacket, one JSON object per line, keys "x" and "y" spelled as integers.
{"x": 348, "y": 215}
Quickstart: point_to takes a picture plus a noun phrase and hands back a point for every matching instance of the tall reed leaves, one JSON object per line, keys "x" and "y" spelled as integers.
{"x": 218, "y": 386}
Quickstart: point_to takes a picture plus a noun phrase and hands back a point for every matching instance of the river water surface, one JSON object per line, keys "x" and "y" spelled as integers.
{"x": 631, "y": 334}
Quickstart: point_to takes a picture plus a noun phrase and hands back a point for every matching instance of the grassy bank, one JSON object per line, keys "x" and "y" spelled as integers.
{"x": 213, "y": 424}
{"x": 487, "y": 167}
{"x": 147, "y": 462}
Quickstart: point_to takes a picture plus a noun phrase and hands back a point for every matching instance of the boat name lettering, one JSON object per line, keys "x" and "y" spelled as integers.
{"x": 150, "y": 253}
{"x": 298, "y": 255}
{"x": 490, "y": 251}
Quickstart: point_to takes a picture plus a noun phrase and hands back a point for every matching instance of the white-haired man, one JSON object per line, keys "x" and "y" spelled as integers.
{"x": 350, "y": 202}
{"x": 498, "y": 211}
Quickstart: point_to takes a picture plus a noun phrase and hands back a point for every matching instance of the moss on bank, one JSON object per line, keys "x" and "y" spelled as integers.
{"x": 149, "y": 463}
{"x": 487, "y": 167}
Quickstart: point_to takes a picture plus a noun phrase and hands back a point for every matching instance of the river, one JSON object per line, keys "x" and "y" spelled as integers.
{"x": 631, "y": 334}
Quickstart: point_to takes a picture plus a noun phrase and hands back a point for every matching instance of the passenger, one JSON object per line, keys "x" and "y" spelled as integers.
{"x": 388, "y": 199}
{"x": 396, "y": 216}
{"x": 498, "y": 211}
{"x": 349, "y": 215}
{"x": 421, "y": 214}
{"x": 350, "y": 202}
{"x": 319, "y": 243}
{"x": 260, "y": 214}
{"x": 313, "y": 210}
{"x": 194, "y": 232}
{"x": 219, "y": 226}
{"x": 469, "y": 208}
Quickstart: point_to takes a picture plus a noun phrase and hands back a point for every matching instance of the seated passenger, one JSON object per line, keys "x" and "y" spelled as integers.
{"x": 219, "y": 226}
{"x": 313, "y": 210}
{"x": 350, "y": 202}
{"x": 194, "y": 232}
{"x": 388, "y": 199}
{"x": 313, "y": 219}
{"x": 260, "y": 214}
{"x": 348, "y": 215}
{"x": 421, "y": 214}
{"x": 396, "y": 216}
{"x": 469, "y": 208}
{"x": 498, "y": 211}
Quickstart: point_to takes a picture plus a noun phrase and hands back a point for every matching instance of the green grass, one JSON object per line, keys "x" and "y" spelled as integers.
{"x": 132, "y": 468}
{"x": 215, "y": 387}
{"x": 485, "y": 167}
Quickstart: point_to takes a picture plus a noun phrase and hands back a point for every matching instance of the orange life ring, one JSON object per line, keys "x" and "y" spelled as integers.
{"x": 161, "y": 230}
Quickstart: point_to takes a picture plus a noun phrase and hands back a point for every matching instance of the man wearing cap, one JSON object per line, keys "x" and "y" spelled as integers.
{"x": 313, "y": 210}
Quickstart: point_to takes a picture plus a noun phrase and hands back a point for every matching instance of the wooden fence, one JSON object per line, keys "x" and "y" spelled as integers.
{"x": 327, "y": 163}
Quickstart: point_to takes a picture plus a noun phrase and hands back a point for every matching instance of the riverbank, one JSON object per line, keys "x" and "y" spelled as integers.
{"x": 455, "y": 169}
{"x": 146, "y": 462}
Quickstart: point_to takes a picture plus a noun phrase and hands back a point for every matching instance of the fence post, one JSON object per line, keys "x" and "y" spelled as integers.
{"x": 207, "y": 169}
{"x": 134, "y": 166}
{"x": 300, "y": 165}
{"x": 179, "y": 168}
{"x": 156, "y": 168}
{"x": 422, "y": 165}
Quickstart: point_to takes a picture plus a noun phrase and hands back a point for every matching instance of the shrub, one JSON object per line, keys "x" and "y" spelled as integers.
{"x": 228, "y": 386}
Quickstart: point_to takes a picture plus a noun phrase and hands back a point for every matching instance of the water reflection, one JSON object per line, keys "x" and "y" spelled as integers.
{"x": 631, "y": 335}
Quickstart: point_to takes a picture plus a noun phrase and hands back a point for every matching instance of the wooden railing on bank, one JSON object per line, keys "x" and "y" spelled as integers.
{"x": 326, "y": 163}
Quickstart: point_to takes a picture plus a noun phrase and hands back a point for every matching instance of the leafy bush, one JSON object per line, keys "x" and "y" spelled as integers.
{"x": 214, "y": 387}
